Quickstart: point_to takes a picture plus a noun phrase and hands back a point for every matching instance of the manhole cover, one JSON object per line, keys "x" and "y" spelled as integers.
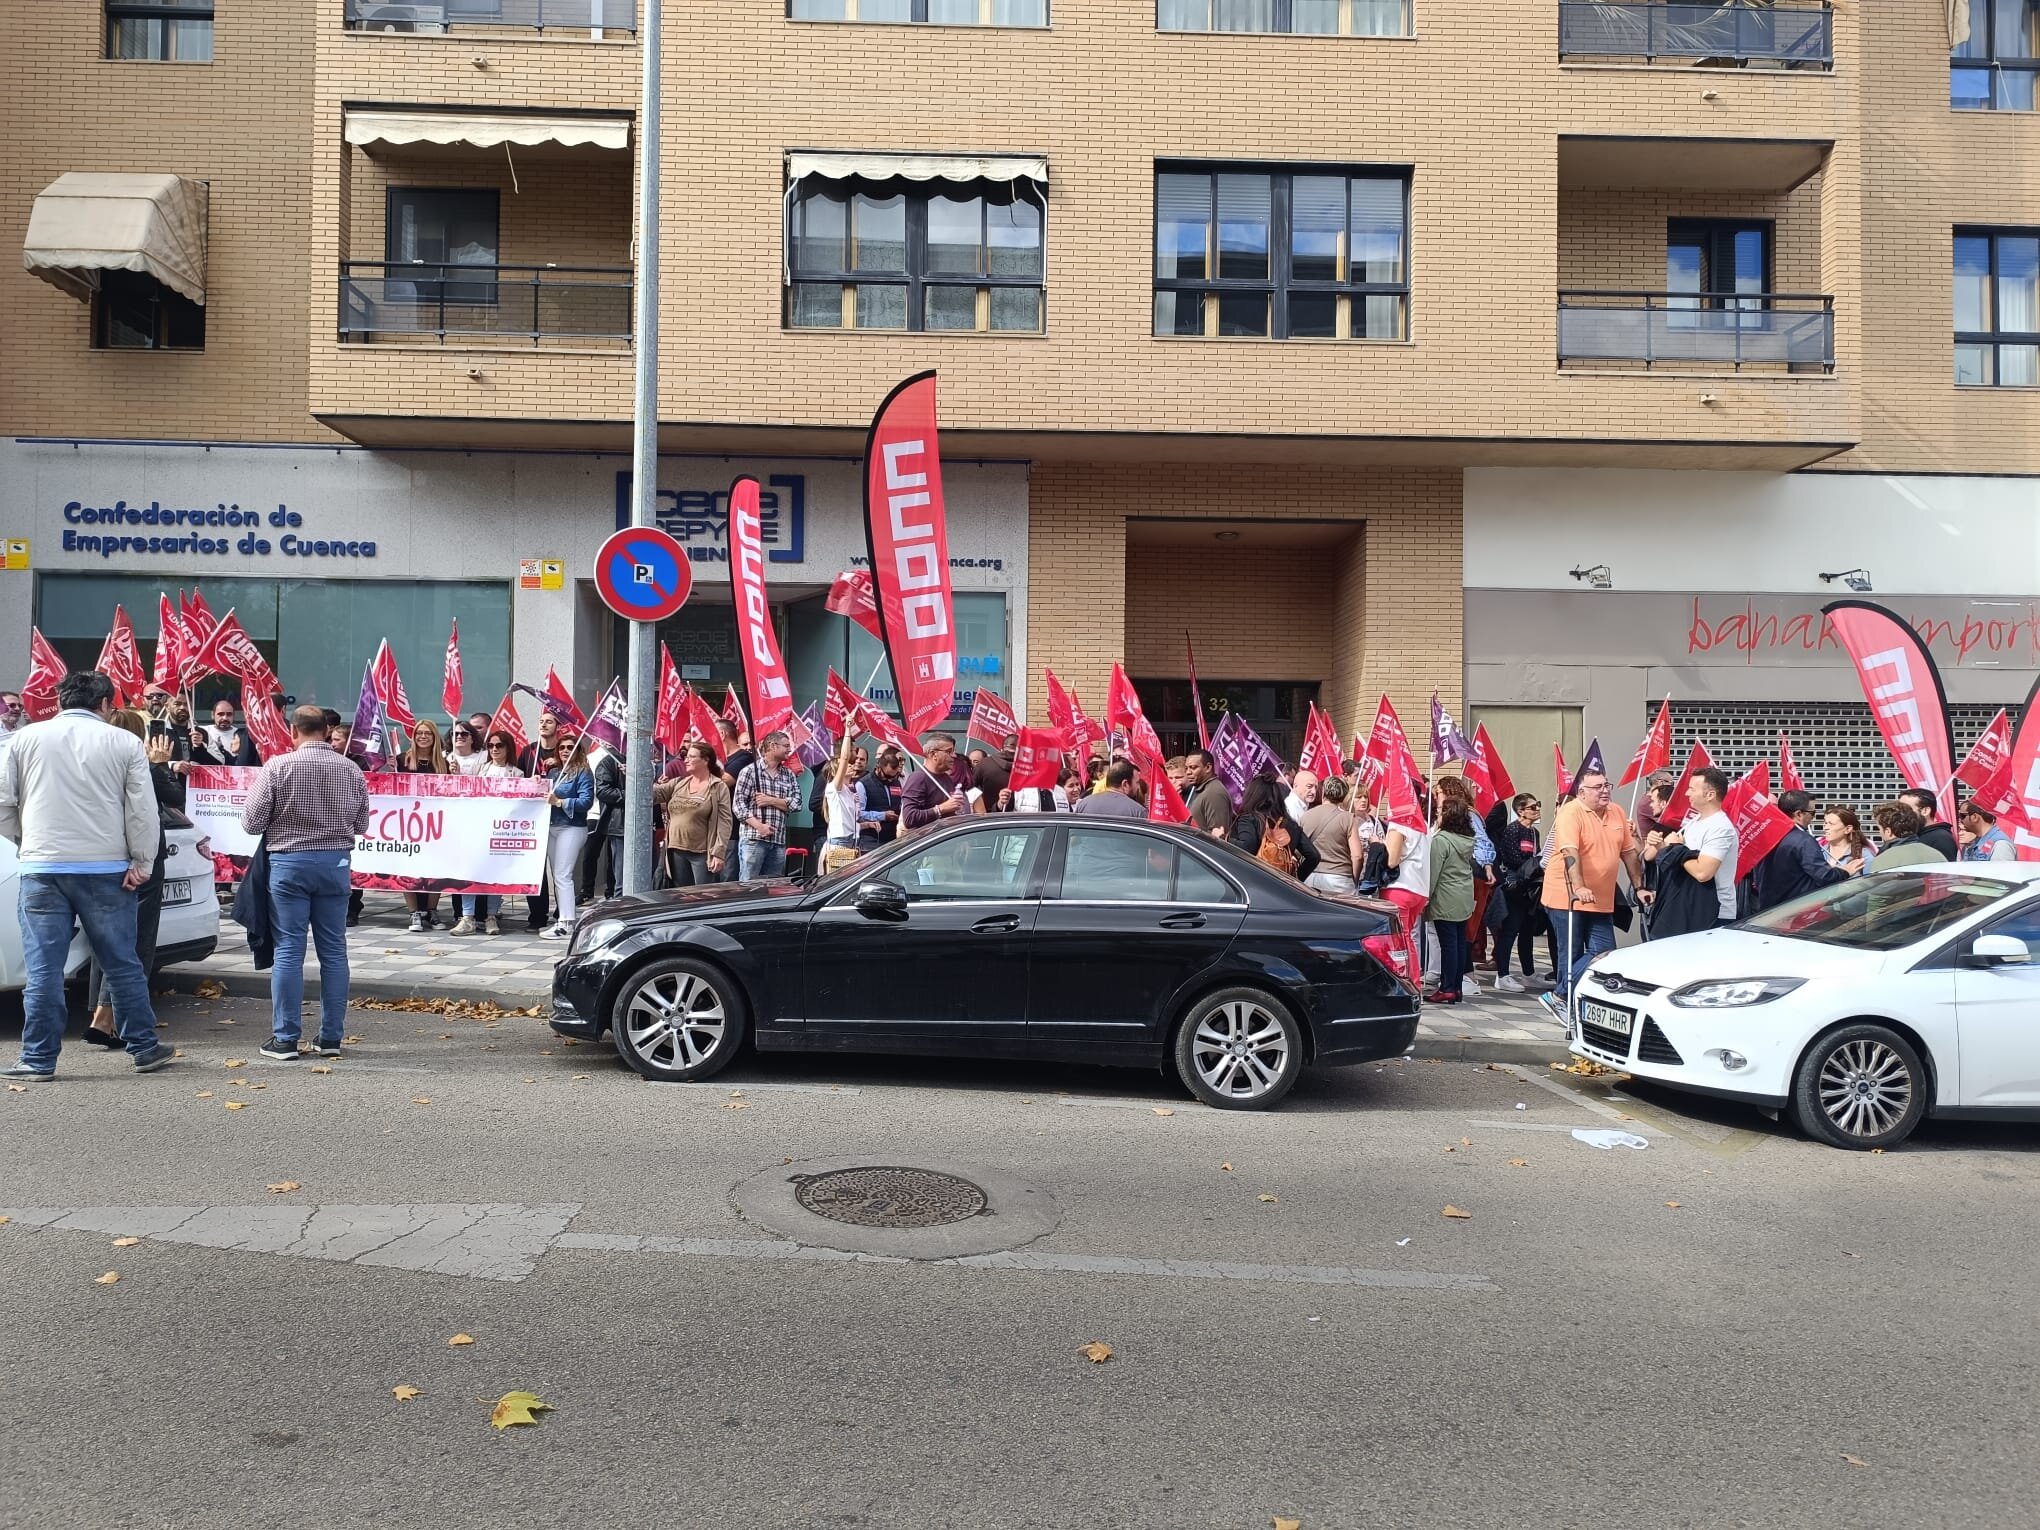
{"x": 890, "y": 1197}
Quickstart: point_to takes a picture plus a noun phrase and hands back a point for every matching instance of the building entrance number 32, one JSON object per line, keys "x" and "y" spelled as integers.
{"x": 643, "y": 574}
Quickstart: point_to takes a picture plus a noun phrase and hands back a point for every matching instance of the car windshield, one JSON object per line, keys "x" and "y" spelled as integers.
{"x": 1882, "y": 913}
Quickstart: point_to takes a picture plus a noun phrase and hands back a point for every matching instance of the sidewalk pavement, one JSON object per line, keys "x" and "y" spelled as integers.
{"x": 514, "y": 969}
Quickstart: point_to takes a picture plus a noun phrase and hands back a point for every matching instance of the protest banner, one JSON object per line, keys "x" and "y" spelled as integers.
{"x": 425, "y": 833}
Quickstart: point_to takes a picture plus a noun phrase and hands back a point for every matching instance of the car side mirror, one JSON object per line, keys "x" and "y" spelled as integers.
{"x": 1999, "y": 951}
{"x": 883, "y": 900}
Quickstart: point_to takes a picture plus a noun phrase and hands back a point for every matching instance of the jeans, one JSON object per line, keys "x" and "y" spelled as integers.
{"x": 1455, "y": 955}
{"x": 148, "y": 921}
{"x": 308, "y": 891}
{"x": 733, "y": 863}
{"x": 688, "y": 868}
{"x": 51, "y": 908}
{"x": 479, "y": 906}
{"x": 761, "y": 858}
{"x": 1592, "y": 935}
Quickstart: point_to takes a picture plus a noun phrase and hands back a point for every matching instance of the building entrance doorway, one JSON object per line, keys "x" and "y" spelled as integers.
{"x": 1275, "y": 709}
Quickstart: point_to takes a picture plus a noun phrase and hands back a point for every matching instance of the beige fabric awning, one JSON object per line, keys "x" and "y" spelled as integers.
{"x": 917, "y": 167}
{"x": 87, "y": 222}
{"x": 485, "y": 131}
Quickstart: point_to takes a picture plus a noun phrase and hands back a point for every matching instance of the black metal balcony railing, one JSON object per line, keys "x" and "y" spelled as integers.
{"x": 1727, "y": 32}
{"x": 435, "y": 17}
{"x": 1778, "y": 331}
{"x": 385, "y": 303}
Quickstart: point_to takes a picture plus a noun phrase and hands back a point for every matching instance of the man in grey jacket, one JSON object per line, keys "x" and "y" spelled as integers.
{"x": 75, "y": 796}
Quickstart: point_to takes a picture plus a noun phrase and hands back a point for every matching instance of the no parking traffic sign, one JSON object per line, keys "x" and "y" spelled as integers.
{"x": 643, "y": 575}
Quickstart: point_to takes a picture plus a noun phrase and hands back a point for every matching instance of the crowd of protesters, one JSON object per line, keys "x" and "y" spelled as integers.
{"x": 1477, "y": 893}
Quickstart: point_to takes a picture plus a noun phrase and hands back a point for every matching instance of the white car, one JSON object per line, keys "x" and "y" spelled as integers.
{"x": 190, "y": 926}
{"x": 1859, "y": 1009}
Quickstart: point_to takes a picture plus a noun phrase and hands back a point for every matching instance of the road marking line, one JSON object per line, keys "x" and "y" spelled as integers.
{"x": 719, "y": 1088}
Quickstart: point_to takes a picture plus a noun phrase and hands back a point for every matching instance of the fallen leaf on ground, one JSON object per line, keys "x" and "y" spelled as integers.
{"x": 109, "y": 1278}
{"x": 579, "y": 1076}
{"x": 1452, "y": 1150}
{"x": 421, "y": 1099}
{"x": 1519, "y": 1163}
{"x": 1456, "y": 1215}
{"x": 403, "y": 1394}
{"x": 1466, "y": 1142}
{"x": 125, "y": 1242}
{"x": 517, "y": 1408}
{"x": 235, "y": 1062}
{"x": 1225, "y": 1168}
{"x": 1877, "y": 1152}
{"x": 1163, "y": 1110}
{"x": 17, "y": 1089}
{"x": 1268, "y": 1199}
{"x": 258, "y": 1086}
{"x": 1286, "y": 1524}
{"x": 459, "y": 1339}
{"x": 5, "y": 1220}
{"x": 236, "y": 1104}
{"x": 204, "y": 1094}
{"x": 1097, "y": 1352}
{"x": 211, "y": 988}
{"x": 1854, "y": 1460}
{"x": 320, "y": 1068}
{"x": 284, "y": 1187}
{"x": 736, "y": 1104}
{"x": 1674, "y": 1205}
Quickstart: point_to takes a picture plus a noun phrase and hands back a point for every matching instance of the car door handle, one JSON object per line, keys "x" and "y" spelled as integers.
{"x": 997, "y": 924}
{"x": 1183, "y": 922}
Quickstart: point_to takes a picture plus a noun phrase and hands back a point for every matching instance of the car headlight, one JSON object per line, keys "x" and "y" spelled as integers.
{"x": 1734, "y": 993}
{"x": 587, "y": 937}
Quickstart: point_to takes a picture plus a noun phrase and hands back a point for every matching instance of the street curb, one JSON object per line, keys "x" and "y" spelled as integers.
{"x": 243, "y": 985}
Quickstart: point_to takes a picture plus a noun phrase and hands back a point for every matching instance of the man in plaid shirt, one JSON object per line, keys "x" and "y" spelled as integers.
{"x": 766, "y": 792}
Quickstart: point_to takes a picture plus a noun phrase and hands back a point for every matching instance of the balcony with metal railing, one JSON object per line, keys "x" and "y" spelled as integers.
{"x": 1729, "y": 34}
{"x": 1780, "y": 332}
{"x": 414, "y": 303}
{"x": 438, "y": 18}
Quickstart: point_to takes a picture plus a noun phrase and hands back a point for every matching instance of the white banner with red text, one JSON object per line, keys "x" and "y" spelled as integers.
{"x": 425, "y": 833}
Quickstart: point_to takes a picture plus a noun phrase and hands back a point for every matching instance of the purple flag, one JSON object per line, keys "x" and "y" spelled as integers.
{"x": 1447, "y": 742}
{"x": 1242, "y": 754}
{"x": 606, "y": 722}
{"x": 815, "y": 749}
{"x": 1591, "y": 760}
{"x": 367, "y": 741}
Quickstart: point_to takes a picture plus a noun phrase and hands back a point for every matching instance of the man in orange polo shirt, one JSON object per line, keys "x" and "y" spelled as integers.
{"x": 1590, "y": 842}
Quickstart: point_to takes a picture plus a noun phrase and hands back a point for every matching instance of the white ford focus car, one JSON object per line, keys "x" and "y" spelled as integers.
{"x": 1859, "y": 1009}
{"x": 190, "y": 927}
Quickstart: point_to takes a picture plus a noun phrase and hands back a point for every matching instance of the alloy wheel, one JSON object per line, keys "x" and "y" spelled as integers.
{"x": 676, "y": 1020}
{"x": 1240, "y": 1050}
{"x": 1865, "y": 1088}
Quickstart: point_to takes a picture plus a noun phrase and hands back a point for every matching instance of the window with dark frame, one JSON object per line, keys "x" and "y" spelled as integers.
{"x": 909, "y": 255}
{"x": 166, "y": 31}
{"x": 1298, "y": 18}
{"x": 1723, "y": 263}
{"x": 1997, "y": 67}
{"x": 435, "y": 232}
{"x": 1299, "y": 252}
{"x": 132, "y": 311}
{"x": 1997, "y": 307}
{"x": 942, "y": 13}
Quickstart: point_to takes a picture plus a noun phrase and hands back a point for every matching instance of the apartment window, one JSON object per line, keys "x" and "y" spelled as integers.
{"x": 1302, "y": 253}
{"x": 132, "y": 311}
{"x": 436, "y": 232}
{"x": 178, "y": 31}
{"x": 1997, "y": 308}
{"x": 915, "y": 256}
{"x": 1723, "y": 263}
{"x": 942, "y": 13}
{"x": 1995, "y": 68}
{"x": 1316, "y": 18}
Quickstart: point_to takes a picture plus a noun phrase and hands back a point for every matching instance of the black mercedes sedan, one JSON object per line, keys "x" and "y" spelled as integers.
{"x": 1039, "y": 936}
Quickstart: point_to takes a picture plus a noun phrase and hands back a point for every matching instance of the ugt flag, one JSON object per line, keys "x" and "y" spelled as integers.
{"x": 120, "y": 661}
{"x": 1655, "y": 752}
{"x": 908, "y": 536}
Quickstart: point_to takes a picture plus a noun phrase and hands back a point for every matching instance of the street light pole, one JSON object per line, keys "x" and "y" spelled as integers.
{"x": 640, "y": 761}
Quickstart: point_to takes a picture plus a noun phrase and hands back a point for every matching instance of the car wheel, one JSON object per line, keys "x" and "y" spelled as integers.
{"x": 1862, "y": 1087}
{"x": 678, "y": 1019}
{"x": 1239, "y": 1049}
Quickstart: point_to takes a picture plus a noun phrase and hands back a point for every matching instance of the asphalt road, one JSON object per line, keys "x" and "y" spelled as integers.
{"x": 1805, "y": 1338}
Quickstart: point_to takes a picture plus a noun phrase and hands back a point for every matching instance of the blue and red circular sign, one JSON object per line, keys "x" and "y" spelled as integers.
{"x": 643, "y": 575}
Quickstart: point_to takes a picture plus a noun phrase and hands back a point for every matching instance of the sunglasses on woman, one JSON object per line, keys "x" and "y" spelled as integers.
{"x": 462, "y": 733}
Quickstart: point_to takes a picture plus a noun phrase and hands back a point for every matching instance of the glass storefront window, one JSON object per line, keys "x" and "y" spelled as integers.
{"x": 318, "y": 635}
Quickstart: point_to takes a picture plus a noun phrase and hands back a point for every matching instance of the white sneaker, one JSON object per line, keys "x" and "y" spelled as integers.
{"x": 1468, "y": 988}
{"x": 464, "y": 927}
{"x": 557, "y": 932}
{"x": 1510, "y": 984}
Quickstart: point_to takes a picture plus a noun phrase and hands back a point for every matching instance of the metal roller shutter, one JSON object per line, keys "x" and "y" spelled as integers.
{"x": 1836, "y": 745}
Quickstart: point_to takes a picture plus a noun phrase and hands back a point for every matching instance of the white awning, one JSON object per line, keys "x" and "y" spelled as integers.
{"x": 918, "y": 167}
{"x": 485, "y": 131}
{"x": 87, "y": 222}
